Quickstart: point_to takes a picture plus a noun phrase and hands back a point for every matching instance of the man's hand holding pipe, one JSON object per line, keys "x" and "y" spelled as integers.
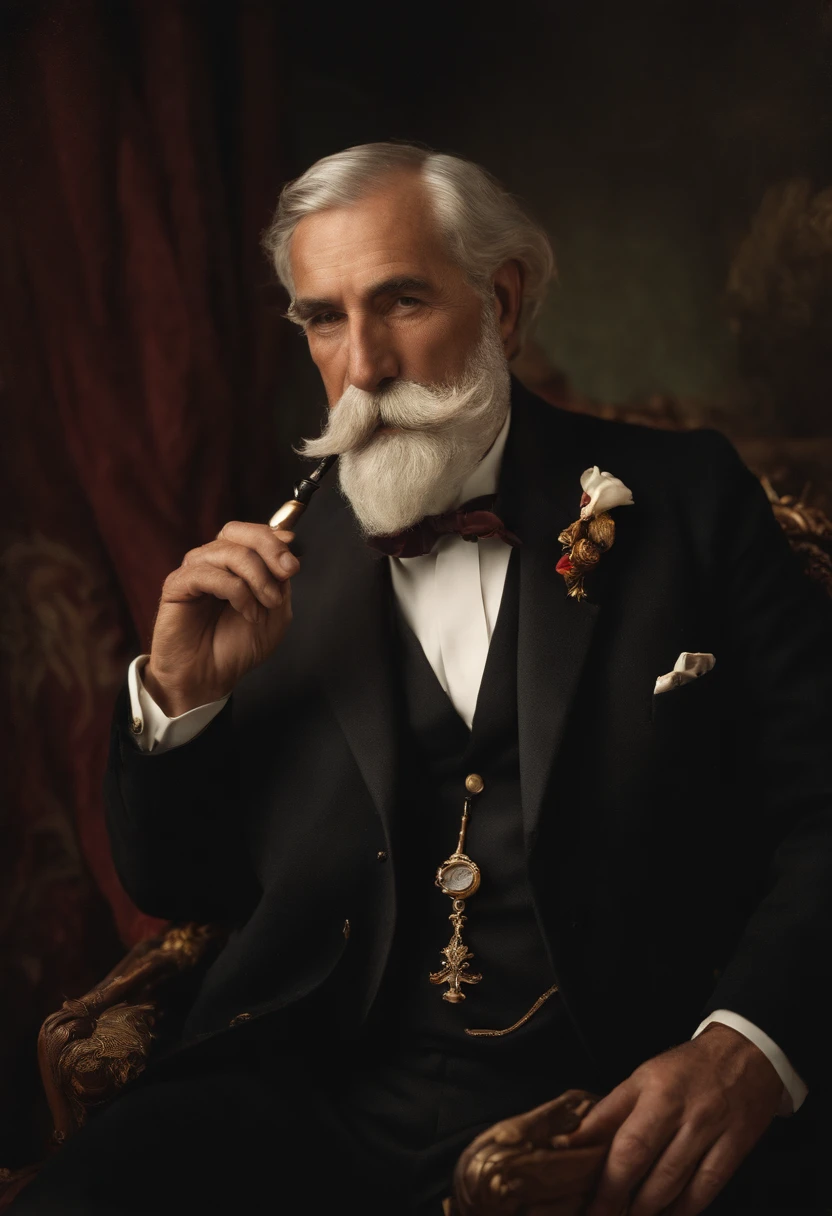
{"x": 680, "y": 1125}
{"x": 223, "y": 611}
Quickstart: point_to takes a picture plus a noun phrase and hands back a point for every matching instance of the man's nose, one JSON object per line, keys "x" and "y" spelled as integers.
{"x": 372, "y": 357}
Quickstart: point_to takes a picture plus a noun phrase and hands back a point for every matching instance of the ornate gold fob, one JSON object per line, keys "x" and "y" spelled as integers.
{"x": 459, "y": 877}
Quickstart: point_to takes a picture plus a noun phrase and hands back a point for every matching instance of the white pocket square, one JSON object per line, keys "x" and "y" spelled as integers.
{"x": 689, "y": 666}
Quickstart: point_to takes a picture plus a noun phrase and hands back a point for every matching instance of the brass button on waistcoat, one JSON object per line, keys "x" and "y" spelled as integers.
{"x": 381, "y": 855}
{"x": 474, "y": 783}
{"x": 346, "y": 929}
{"x": 241, "y": 1017}
{"x": 137, "y": 726}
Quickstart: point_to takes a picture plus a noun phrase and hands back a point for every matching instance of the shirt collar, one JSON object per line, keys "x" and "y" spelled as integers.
{"x": 486, "y": 476}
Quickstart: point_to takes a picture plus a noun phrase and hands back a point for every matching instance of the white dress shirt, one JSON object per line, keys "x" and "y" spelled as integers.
{"x": 450, "y": 597}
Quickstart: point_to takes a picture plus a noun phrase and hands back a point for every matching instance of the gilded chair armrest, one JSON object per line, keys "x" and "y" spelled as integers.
{"x": 93, "y": 1046}
{"x": 12, "y": 1183}
{"x": 525, "y": 1166}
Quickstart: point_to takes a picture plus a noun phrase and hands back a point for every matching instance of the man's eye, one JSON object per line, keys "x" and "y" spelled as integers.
{"x": 324, "y": 318}
{"x": 408, "y": 301}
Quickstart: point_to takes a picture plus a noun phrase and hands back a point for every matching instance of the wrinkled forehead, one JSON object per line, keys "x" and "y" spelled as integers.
{"x": 391, "y": 232}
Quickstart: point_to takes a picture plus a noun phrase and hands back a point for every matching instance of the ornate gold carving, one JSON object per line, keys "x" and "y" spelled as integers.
{"x": 12, "y": 1182}
{"x": 494, "y": 1034}
{"x": 525, "y": 1164}
{"x": 91, "y": 1048}
{"x": 808, "y": 531}
{"x": 115, "y": 1052}
{"x": 187, "y": 943}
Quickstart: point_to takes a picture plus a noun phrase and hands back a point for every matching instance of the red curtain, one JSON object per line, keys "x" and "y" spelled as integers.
{"x": 138, "y": 356}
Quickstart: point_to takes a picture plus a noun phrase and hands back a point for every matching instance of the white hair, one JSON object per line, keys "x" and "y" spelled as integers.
{"x": 483, "y": 225}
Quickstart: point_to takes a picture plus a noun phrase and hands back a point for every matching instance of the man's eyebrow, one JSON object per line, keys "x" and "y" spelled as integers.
{"x": 398, "y": 285}
{"x": 306, "y": 307}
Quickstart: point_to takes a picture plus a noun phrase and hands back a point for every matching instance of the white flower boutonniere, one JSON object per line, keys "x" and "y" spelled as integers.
{"x": 594, "y": 532}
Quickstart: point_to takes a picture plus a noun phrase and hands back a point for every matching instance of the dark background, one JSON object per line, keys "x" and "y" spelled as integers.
{"x": 678, "y": 153}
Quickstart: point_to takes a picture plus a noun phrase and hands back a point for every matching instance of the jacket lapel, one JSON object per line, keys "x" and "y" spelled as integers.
{"x": 348, "y": 599}
{"x": 540, "y": 495}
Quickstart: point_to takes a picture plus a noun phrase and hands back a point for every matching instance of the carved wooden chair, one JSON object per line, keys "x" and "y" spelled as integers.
{"x": 92, "y": 1046}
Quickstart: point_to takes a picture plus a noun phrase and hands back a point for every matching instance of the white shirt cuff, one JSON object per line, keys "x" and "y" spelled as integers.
{"x": 794, "y": 1087}
{"x": 150, "y": 726}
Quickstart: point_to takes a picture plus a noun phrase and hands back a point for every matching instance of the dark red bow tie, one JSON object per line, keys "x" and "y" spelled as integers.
{"x": 474, "y": 520}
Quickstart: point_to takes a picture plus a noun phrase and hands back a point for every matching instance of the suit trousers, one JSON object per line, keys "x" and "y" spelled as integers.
{"x": 244, "y": 1124}
{"x": 257, "y": 1128}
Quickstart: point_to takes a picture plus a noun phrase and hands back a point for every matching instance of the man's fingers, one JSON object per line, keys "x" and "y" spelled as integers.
{"x": 245, "y": 533}
{"x": 281, "y": 533}
{"x": 673, "y": 1170}
{"x": 636, "y": 1145}
{"x": 188, "y": 583}
{"x": 605, "y": 1118}
{"x": 271, "y": 544}
{"x": 244, "y": 562}
{"x": 714, "y": 1170}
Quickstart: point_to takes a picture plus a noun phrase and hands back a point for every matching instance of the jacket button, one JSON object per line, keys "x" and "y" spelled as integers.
{"x": 381, "y": 855}
{"x": 241, "y": 1017}
{"x": 346, "y": 929}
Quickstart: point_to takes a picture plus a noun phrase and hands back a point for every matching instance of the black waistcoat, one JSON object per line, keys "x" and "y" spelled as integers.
{"x": 501, "y": 929}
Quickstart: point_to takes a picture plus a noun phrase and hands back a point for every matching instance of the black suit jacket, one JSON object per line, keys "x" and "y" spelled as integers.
{"x": 679, "y": 845}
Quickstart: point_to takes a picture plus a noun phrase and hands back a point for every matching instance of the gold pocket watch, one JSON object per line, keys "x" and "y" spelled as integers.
{"x": 459, "y": 878}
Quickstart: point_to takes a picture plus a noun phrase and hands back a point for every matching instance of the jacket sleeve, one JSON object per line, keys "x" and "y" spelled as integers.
{"x": 780, "y": 642}
{"x": 175, "y": 823}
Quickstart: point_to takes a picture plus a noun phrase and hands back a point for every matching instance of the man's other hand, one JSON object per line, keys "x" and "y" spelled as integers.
{"x": 681, "y": 1124}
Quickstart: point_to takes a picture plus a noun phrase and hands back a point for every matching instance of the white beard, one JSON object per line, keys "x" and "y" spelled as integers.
{"x": 393, "y": 481}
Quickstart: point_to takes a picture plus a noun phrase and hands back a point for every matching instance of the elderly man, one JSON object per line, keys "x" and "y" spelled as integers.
{"x": 534, "y": 793}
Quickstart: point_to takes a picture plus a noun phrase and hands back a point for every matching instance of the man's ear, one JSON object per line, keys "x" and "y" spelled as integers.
{"x": 508, "y": 295}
